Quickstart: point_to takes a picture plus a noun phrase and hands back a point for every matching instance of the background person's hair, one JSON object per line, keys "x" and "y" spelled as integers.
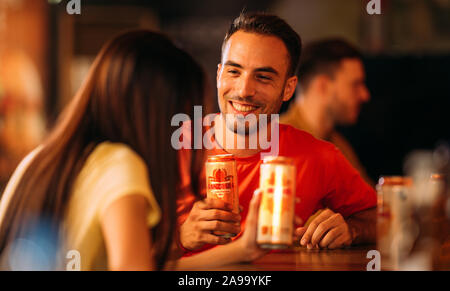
{"x": 137, "y": 83}
{"x": 270, "y": 25}
{"x": 324, "y": 57}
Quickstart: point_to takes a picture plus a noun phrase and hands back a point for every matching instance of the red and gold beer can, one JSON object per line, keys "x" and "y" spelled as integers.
{"x": 276, "y": 213}
{"x": 221, "y": 182}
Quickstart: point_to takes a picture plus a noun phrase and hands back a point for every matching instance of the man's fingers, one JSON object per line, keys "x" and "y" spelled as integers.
{"x": 313, "y": 225}
{"x": 210, "y": 203}
{"x": 300, "y": 231}
{"x": 323, "y": 228}
{"x": 215, "y": 225}
{"x": 310, "y": 246}
{"x": 216, "y": 214}
{"x": 215, "y": 240}
{"x": 330, "y": 237}
{"x": 343, "y": 240}
{"x": 338, "y": 242}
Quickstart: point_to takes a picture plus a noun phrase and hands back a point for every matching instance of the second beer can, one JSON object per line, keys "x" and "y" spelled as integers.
{"x": 276, "y": 213}
{"x": 221, "y": 182}
{"x": 394, "y": 219}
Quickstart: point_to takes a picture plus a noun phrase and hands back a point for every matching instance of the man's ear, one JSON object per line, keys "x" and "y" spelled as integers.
{"x": 219, "y": 69}
{"x": 289, "y": 88}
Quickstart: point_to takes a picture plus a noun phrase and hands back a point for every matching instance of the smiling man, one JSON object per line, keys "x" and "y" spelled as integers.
{"x": 246, "y": 85}
{"x": 257, "y": 73}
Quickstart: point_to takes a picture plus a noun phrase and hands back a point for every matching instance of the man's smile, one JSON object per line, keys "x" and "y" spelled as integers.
{"x": 244, "y": 108}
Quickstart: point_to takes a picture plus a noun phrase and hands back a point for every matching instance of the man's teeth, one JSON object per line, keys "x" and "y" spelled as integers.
{"x": 243, "y": 108}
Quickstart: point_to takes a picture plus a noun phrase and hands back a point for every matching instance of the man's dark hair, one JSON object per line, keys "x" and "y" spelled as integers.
{"x": 270, "y": 25}
{"x": 324, "y": 57}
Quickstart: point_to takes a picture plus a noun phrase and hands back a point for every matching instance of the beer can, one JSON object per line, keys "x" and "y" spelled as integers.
{"x": 395, "y": 227}
{"x": 390, "y": 188}
{"x": 276, "y": 213}
{"x": 221, "y": 182}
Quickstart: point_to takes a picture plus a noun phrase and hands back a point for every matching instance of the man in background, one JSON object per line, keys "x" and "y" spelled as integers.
{"x": 332, "y": 90}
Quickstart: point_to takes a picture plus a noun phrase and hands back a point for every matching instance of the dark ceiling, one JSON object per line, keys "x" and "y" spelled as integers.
{"x": 176, "y": 8}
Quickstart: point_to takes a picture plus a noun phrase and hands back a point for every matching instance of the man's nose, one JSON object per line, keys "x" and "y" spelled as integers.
{"x": 365, "y": 94}
{"x": 246, "y": 86}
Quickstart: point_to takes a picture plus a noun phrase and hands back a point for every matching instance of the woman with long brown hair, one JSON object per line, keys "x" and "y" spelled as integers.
{"x": 107, "y": 172}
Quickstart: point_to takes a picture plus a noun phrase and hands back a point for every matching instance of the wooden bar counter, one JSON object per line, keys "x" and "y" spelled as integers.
{"x": 301, "y": 259}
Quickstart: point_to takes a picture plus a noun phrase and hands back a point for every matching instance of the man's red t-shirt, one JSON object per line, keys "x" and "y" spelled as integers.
{"x": 325, "y": 179}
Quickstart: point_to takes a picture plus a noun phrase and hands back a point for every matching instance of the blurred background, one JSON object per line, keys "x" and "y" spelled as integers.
{"x": 45, "y": 53}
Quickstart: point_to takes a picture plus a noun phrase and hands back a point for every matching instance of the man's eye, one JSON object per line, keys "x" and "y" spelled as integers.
{"x": 265, "y": 78}
{"x": 234, "y": 72}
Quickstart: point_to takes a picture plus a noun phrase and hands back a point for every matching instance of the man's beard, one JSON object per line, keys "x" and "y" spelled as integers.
{"x": 241, "y": 125}
{"x": 340, "y": 113}
{"x": 249, "y": 124}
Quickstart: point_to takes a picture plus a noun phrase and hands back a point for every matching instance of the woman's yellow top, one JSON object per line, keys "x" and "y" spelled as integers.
{"x": 112, "y": 171}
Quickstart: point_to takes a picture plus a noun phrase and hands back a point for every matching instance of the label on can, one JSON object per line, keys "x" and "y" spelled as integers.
{"x": 276, "y": 213}
{"x": 221, "y": 182}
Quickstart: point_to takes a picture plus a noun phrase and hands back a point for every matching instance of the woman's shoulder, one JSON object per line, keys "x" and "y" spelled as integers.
{"x": 115, "y": 159}
{"x": 111, "y": 152}
{"x": 116, "y": 163}
{"x": 111, "y": 171}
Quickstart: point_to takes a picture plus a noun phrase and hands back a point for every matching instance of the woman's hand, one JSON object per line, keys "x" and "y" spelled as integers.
{"x": 243, "y": 249}
{"x": 247, "y": 242}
